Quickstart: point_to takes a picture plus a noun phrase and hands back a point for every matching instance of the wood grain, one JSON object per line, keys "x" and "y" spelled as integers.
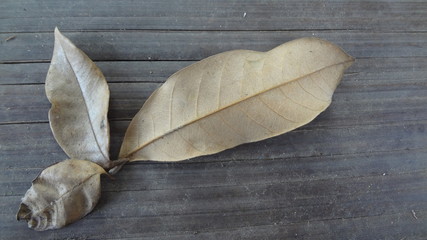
{"x": 35, "y": 16}
{"x": 358, "y": 171}
{"x": 399, "y": 83}
{"x": 169, "y": 45}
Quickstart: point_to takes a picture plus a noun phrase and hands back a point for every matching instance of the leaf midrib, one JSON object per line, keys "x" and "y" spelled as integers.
{"x": 231, "y": 105}
{"x": 84, "y": 100}
{"x": 74, "y": 188}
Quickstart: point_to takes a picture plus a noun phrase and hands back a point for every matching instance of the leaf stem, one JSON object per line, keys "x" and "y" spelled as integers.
{"x": 116, "y": 165}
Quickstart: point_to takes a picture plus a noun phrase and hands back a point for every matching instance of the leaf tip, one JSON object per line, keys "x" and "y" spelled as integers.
{"x": 57, "y": 32}
{"x": 351, "y": 59}
{"x": 61, "y": 38}
{"x": 26, "y": 213}
{"x": 115, "y": 166}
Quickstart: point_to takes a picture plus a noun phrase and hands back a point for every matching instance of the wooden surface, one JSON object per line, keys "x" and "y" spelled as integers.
{"x": 358, "y": 171}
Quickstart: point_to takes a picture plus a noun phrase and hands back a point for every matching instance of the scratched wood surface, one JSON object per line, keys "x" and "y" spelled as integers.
{"x": 358, "y": 171}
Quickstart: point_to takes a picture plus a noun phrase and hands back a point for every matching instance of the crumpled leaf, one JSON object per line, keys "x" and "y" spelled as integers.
{"x": 236, "y": 97}
{"x": 79, "y": 95}
{"x": 62, "y": 193}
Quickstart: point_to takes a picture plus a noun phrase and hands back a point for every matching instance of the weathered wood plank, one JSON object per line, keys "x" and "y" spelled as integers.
{"x": 277, "y": 192}
{"x": 28, "y": 103}
{"x": 253, "y": 225}
{"x": 256, "y": 206}
{"x": 40, "y": 149}
{"x": 35, "y": 16}
{"x": 150, "y": 176}
{"x": 181, "y": 45}
{"x": 358, "y": 171}
{"x": 370, "y": 71}
{"x": 377, "y": 89}
{"x": 115, "y": 72}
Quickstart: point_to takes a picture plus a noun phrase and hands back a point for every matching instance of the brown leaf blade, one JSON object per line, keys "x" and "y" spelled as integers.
{"x": 62, "y": 193}
{"x": 236, "y": 97}
{"x": 79, "y": 95}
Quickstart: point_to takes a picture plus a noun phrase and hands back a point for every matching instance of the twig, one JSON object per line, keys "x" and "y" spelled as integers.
{"x": 414, "y": 215}
{"x": 10, "y": 38}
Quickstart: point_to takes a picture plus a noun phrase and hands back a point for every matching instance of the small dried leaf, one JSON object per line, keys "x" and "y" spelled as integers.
{"x": 236, "y": 97}
{"x": 62, "y": 193}
{"x": 79, "y": 95}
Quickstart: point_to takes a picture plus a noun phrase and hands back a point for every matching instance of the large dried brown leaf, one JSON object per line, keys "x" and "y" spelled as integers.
{"x": 79, "y": 95}
{"x": 236, "y": 97}
{"x": 62, "y": 193}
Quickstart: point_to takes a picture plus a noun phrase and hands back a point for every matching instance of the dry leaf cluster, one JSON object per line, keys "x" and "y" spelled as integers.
{"x": 217, "y": 103}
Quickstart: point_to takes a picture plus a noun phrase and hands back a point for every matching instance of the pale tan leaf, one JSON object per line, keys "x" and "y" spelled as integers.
{"x": 236, "y": 97}
{"x": 62, "y": 193}
{"x": 79, "y": 95}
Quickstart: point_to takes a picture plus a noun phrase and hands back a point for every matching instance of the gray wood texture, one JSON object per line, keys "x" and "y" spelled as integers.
{"x": 358, "y": 171}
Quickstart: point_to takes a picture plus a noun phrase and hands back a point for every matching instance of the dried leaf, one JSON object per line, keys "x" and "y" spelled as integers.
{"x": 236, "y": 97}
{"x": 79, "y": 95}
{"x": 62, "y": 193}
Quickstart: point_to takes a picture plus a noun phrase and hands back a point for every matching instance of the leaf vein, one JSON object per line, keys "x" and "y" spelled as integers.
{"x": 86, "y": 106}
{"x": 230, "y": 127}
{"x": 220, "y": 82}
{"x": 198, "y": 95}
{"x": 310, "y": 93}
{"x": 188, "y": 142}
{"x": 300, "y": 104}
{"x": 253, "y": 120}
{"x": 171, "y": 103}
{"x": 273, "y": 110}
{"x": 209, "y": 134}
